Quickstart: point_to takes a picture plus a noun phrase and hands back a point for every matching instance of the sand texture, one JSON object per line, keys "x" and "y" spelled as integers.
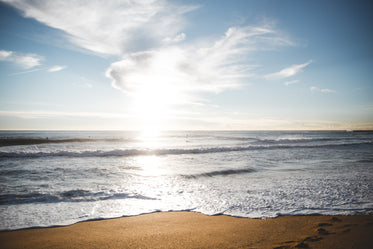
{"x": 194, "y": 230}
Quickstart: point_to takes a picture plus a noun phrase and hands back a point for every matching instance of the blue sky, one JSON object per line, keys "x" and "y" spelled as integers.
{"x": 132, "y": 65}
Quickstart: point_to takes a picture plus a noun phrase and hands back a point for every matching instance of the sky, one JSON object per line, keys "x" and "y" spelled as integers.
{"x": 186, "y": 65}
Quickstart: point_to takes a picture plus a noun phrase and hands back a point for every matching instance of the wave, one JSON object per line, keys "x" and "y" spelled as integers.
{"x": 15, "y": 141}
{"x": 139, "y": 152}
{"x": 77, "y": 195}
{"x": 295, "y": 140}
{"x": 220, "y": 173}
{"x": 34, "y": 141}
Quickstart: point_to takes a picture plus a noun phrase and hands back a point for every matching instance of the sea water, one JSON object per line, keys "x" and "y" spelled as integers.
{"x": 59, "y": 178}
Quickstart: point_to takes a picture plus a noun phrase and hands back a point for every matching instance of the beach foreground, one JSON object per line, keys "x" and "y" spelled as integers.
{"x": 195, "y": 230}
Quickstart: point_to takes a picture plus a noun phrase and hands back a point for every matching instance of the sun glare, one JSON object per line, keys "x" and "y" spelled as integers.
{"x": 150, "y": 133}
{"x": 154, "y": 105}
{"x": 150, "y": 165}
{"x": 150, "y": 137}
{"x": 150, "y": 109}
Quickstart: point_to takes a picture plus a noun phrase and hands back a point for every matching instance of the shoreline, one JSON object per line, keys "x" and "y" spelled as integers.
{"x": 186, "y": 229}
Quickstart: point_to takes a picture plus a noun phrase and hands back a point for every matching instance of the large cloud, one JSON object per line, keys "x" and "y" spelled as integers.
{"x": 211, "y": 68}
{"x": 110, "y": 27}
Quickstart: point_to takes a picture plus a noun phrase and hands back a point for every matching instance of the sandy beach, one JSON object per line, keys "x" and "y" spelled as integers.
{"x": 195, "y": 230}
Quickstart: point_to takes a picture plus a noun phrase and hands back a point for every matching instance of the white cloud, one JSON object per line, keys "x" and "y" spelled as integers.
{"x": 178, "y": 38}
{"x": 23, "y": 60}
{"x": 325, "y": 90}
{"x": 109, "y": 27}
{"x": 27, "y": 61}
{"x": 26, "y": 72}
{"x": 289, "y": 71}
{"x": 183, "y": 70}
{"x": 5, "y": 55}
{"x": 328, "y": 91}
{"x": 287, "y": 83}
{"x": 56, "y": 68}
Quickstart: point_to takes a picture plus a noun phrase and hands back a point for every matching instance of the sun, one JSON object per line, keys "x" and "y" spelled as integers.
{"x": 154, "y": 104}
{"x": 151, "y": 112}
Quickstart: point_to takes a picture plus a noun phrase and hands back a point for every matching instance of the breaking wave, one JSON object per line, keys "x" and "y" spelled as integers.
{"x": 139, "y": 152}
{"x": 78, "y": 195}
{"x": 220, "y": 173}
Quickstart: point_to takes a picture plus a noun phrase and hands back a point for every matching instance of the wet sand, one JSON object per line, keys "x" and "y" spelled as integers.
{"x": 195, "y": 230}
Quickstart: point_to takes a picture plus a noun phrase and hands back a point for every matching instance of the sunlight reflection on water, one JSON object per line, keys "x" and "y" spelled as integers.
{"x": 150, "y": 165}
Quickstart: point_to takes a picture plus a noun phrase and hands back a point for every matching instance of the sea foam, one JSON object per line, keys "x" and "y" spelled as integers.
{"x": 76, "y": 176}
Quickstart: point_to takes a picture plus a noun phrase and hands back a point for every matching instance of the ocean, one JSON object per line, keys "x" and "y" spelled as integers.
{"x": 53, "y": 178}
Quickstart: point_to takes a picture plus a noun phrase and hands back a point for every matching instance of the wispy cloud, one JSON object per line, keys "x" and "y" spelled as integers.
{"x": 26, "y": 72}
{"x": 52, "y": 70}
{"x": 109, "y": 27}
{"x": 288, "y": 71}
{"x": 5, "y": 55}
{"x": 323, "y": 90}
{"x": 178, "y": 38}
{"x": 287, "y": 83}
{"x": 56, "y": 68}
{"x": 26, "y": 61}
{"x": 214, "y": 67}
{"x": 51, "y": 114}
